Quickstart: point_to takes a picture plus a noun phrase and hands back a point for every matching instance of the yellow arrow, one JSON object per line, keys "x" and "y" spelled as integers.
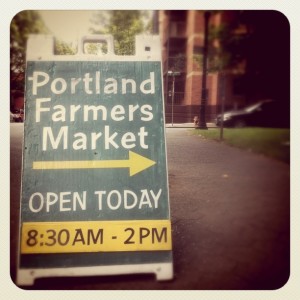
{"x": 136, "y": 163}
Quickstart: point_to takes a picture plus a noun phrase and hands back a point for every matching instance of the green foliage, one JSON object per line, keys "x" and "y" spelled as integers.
{"x": 226, "y": 45}
{"x": 123, "y": 25}
{"x": 229, "y": 52}
{"x": 272, "y": 142}
{"x": 63, "y": 48}
{"x": 25, "y": 23}
{"x": 247, "y": 42}
{"x": 22, "y": 25}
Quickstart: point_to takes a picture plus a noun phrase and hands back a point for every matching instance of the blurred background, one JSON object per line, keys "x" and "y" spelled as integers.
{"x": 213, "y": 61}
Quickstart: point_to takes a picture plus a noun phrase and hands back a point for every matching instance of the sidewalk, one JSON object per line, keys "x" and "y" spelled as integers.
{"x": 230, "y": 214}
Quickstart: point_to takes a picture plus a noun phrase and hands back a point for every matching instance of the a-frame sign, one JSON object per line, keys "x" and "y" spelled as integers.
{"x": 95, "y": 197}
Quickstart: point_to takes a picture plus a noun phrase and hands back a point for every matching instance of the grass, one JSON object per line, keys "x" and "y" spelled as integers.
{"x": 272, "y": 142}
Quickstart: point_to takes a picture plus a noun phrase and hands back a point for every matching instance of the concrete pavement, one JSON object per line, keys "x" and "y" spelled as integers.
{"x": 230, "y": 213}
{"x": 230, "y": 220}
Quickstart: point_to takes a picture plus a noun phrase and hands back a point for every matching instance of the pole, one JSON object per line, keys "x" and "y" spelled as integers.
{"x": 222, "y": 79}
{"x": 202, "y": 123}
{"x": 173, "y": 92}
{"x": 155, "y": 29}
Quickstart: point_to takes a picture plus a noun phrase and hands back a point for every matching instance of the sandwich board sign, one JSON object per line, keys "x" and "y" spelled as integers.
{"x": 95, "y": 197}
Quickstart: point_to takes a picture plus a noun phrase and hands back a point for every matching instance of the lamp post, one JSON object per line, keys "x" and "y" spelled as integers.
{"x": 204, "y": 91}
{"x": 173, "y": 74}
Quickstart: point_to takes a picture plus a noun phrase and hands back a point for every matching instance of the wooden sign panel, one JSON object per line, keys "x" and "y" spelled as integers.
{"x": 95, "y": 197}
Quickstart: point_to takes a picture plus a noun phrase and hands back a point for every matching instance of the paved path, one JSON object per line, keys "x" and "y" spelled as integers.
{"x": 230, "y": 212}
{"x": 230, "y": 220}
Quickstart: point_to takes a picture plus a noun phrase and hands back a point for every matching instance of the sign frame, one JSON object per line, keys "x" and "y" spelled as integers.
{"x": 33, "y": 229}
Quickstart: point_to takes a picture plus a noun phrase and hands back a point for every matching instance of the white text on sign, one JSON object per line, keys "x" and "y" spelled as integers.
{"x": 60, "y": 138}
{"x": 91, "y": 84}
{"x": 112, "y": 200}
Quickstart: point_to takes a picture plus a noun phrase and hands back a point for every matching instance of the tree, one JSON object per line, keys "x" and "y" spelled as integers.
{"x": 123, "y": 25}
{"x": 256, "y": 45}
{"x": 63, "y": 48}
{"x": 23, "y": 24}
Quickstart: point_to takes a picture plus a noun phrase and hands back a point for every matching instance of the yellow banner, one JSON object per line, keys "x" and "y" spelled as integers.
{"x": 96, "y": 236}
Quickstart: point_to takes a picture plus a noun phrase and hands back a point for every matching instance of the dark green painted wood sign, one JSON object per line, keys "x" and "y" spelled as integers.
{"x": 94, "y": 189}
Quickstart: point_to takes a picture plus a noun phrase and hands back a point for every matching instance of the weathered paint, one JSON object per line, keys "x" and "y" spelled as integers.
{"x": 94, "y": 166}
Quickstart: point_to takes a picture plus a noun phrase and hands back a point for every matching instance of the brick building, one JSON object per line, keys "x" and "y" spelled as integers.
{"x": 182, "y": 36}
